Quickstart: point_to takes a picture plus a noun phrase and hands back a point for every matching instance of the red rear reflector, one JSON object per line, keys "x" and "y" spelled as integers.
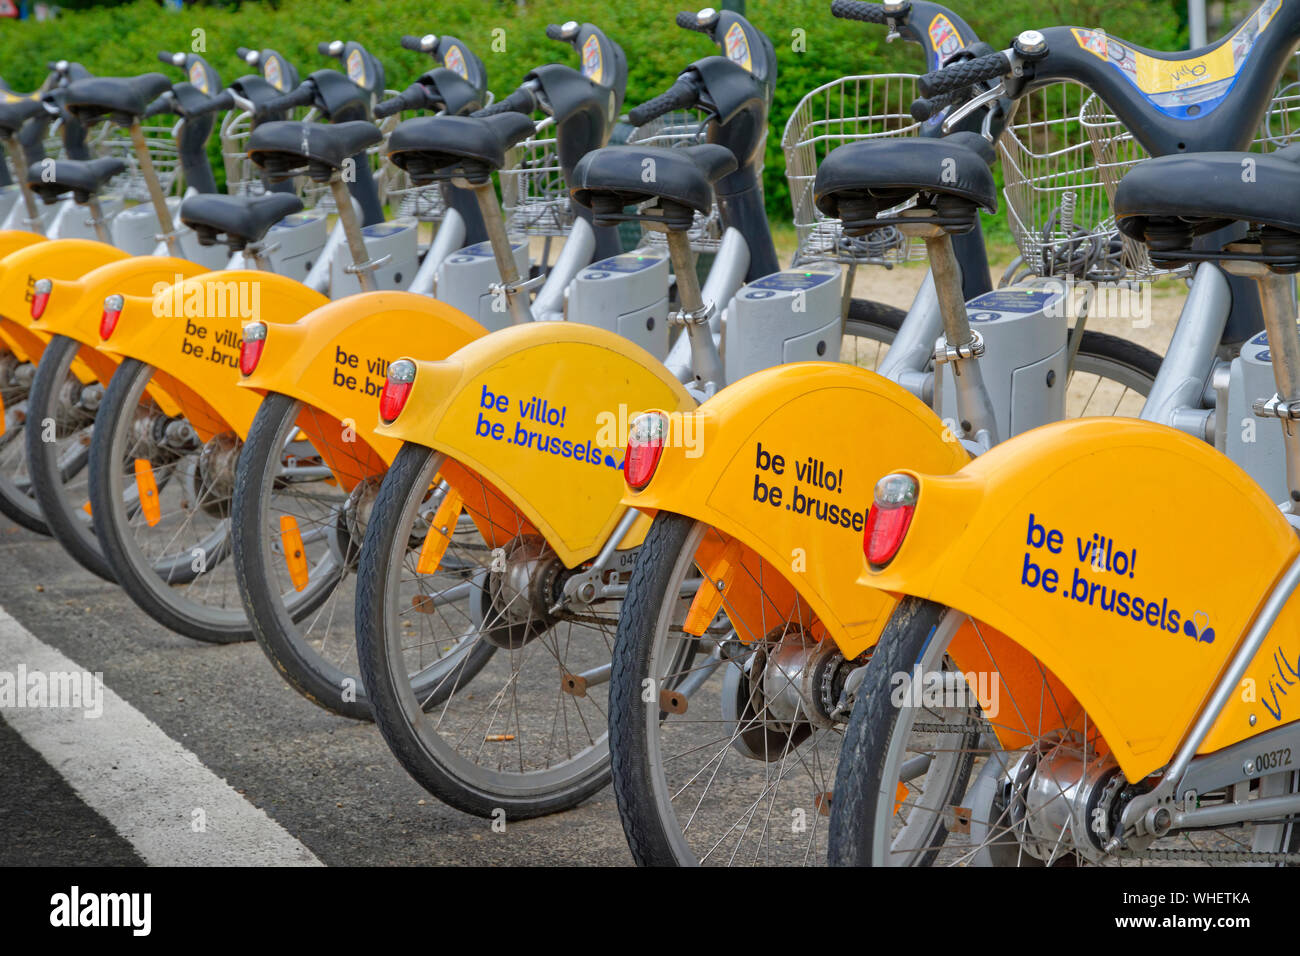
{"x": 889, "y": 518}
{"x": 645, "y": 446}
{"x": 250, "y": 347}
{"x": 41, "y": 296}
{"x": 397, "y": 389}
{"x": 108, "y": 318}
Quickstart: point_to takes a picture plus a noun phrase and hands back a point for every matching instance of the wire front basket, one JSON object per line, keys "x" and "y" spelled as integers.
{"x": 682, "y": 128}
{"x": 534, "y": 197}
{"x": 111, "y": 140}
{"x": 847, "y": 110}
{"x": 1063, "y": 155}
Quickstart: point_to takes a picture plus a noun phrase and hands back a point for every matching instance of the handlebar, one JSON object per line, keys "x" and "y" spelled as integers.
{"x": 162, "y": 104}
{"x": 222, "y": 101}
{"x": 415, "y": 43}
{"x": 323, "y": 48}
{"x": 690, "y": 21}
{"x": 924, "y": 108}
{"x": 302, "y": 96}
{"x": 963, "y": 73}
{"x": 411, "y": 98}
{"x": 521, "y": 100}
{"x": 681, "y": 95}
{"x": 858, "y": 10}
{"x": 554, "y": 31}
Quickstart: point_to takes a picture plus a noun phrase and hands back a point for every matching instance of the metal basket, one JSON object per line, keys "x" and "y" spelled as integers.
{"x": 847, "y": 110}
{"x": 111, "y": 140}
{"x": 242, "y": 178}
{"x": 681, "y": 128}
{"x": 1063, "y": 155}
{"x": 534, "y": 197}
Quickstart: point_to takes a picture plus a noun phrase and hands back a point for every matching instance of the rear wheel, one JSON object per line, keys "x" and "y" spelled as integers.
{"x": 724, "y": 748}
{"x": 62, "y": 412}
{"x": 16, "y": 498}
{"x": 298, "y": 526}
{"x": 486, "y": 686}
{"x": 1054, "y": 800}
{"x": 161, "y": 497}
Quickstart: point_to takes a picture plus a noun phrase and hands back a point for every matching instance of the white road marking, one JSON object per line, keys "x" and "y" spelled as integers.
{"x": 144, "y": 783}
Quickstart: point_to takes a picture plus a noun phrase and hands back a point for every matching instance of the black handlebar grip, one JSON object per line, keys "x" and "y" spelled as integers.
{"x": 520, "y": 101}
{"x": 964, "y": 73}
{"x": 162, "y": 104}
{"x": 554, "y": 31}
{"x": 323, "y": 48}
{"x": 302, "y": 96}
{"x": 222, "y": 101}
{"x": 242, "y": 52}
{"x": 680, "y": 95}
{"x": 690, "y": 21}
{"x": 415, "y": 43}
{"x": 858, "y": 10}
{"x": 164, "y": 57}
{"x": 411, "y": 98}
{"x": 924, "y": 109}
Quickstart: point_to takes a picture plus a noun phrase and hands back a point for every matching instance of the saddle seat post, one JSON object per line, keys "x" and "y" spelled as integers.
{"x": 962, "y": 345}
{"x": 362, "y": 267}
{"x": 693, "y": 312}
{"x": 494, "y": 223}
{"x": 19, "y": 157}
{"x": 1277, "y": 300}
{"x": 141, "y": 148}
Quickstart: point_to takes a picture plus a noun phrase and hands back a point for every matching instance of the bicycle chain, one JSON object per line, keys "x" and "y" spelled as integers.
{"x": 1212, "y": 856}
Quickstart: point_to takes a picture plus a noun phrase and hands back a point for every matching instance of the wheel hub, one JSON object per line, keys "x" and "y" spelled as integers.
{"x": 218, "y": 460}
{"x": 1059, "y": 798}
{"x": 525, "y": 588}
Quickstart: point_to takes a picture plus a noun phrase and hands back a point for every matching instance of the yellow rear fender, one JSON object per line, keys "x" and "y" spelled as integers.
{"x": 1127, "y": 559}
{"x": 54, "y": 259}
{"x": 540, "y": 412}
{"x": 335, "y": 360}
{"x": 785, "y": 461}
{"x": 191, "y": 332}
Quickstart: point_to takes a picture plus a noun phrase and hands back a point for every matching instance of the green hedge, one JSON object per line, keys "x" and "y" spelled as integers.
{"x": 124, "y": 39}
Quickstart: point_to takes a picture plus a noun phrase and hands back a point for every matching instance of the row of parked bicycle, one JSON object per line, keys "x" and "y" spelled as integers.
{"x": 552, "y": 523}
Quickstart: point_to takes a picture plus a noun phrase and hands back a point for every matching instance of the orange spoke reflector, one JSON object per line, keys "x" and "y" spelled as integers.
{"x": 86, "y": 507}
{"x": 900, "y": 795}
{"x": 2, "y": 414}
{"x": 708, "y": 599}
{"x": 291, "y": 541}
{"x": 499, "y": 738}
{"x": 441, "y": 528}
{"x": 148, "y": 489}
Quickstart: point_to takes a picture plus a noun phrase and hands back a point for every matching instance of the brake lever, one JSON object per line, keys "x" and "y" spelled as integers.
{"x": 970, "y": 106}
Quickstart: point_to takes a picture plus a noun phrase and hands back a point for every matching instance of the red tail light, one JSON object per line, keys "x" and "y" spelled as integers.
{"x": 890, "y": 516}
{"x": 108, "y": 318}
{"x": 645, "y": 446}
{"x": 250, "y": 347}
{"x": 401, "y": 377}
{"x": 41, "y": 297}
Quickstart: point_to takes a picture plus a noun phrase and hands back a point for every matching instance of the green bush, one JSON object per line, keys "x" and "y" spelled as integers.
{"x": 124, "y": 40}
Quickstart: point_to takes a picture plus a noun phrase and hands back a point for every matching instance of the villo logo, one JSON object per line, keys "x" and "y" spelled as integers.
{"x": 73, "y": 909}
